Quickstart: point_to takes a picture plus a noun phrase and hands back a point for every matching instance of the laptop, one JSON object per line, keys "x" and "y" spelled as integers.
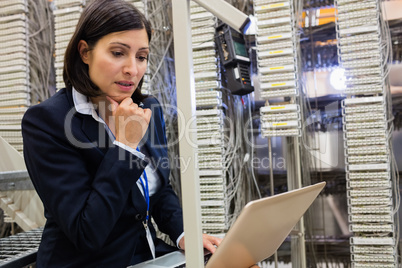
{"x": 258, "y": 232}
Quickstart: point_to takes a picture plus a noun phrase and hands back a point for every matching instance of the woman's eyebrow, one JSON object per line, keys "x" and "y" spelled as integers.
{"x": 123, "y": 44}
{"x": 119, "y": 43}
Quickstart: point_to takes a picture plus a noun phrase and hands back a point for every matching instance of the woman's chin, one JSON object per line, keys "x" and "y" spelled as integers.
{"x": 119, "y": 99}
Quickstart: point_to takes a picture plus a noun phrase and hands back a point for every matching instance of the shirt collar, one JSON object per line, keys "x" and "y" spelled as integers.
{"x": 84, "y": 105}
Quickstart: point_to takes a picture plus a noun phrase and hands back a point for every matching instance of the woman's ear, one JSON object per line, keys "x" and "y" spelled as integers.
{"x": 83, "y": 50}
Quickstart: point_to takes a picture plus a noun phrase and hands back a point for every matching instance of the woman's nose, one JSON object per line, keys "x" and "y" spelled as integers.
{"x": 130, "y": 67}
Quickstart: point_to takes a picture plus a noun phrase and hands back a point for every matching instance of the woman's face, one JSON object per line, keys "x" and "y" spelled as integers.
{"x": 117, "y": 62}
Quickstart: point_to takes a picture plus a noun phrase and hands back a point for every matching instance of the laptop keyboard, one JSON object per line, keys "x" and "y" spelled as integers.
{"x": 206, "y": 259}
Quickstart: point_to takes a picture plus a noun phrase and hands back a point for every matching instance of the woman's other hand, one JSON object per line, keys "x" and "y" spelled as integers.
{"x": 209, "y": 242}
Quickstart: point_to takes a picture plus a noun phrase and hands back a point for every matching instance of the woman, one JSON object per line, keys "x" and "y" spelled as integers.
{"x": 97, "y": 160}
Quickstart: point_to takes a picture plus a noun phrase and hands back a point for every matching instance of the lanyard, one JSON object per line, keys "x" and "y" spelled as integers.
{"x": 146, "y": 194}
{"x": 145, "y": 223}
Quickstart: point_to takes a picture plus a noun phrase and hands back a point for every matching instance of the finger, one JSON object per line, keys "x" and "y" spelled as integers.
{"x": 213, "y": 239}
{"x": 113, "y": 104}
{"x": 211, "y": 242}
{"x": 208, "y": 245}
{"x": 217, "y": 241}
{"x": 127, "y": 101}
{"x": 148, "y": 114}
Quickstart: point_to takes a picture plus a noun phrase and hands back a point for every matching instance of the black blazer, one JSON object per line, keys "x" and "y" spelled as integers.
{"x": 93, "y": 207}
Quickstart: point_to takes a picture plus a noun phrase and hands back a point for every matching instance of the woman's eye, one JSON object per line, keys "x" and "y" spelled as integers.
{"x": 142, "y": 58}
{"x": 117, "y": 53}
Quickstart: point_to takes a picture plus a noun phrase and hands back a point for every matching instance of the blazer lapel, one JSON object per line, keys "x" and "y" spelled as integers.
{"x": 96, "y": 133}
{"x": 138, "y": 199}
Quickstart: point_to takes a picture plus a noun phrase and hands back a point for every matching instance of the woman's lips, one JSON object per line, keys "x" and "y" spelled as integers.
{"x": 125, "y": 85}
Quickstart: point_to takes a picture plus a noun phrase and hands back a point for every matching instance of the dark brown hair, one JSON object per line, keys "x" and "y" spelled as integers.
{"x": 99, "y": 18}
